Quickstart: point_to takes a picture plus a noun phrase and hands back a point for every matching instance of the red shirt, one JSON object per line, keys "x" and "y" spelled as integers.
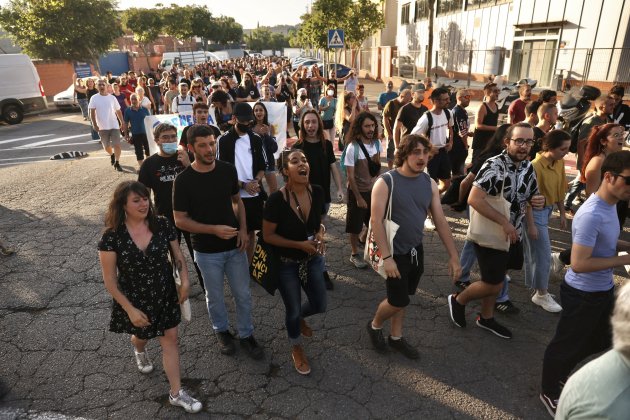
{"x": 516, "y": 111}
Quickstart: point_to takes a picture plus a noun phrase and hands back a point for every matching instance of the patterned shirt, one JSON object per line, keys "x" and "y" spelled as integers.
{"x": 501, "y": 167}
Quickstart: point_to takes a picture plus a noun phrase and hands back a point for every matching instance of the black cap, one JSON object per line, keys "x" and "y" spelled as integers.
{"x": 418, "y": 86}
{"x": 243, "y": 112}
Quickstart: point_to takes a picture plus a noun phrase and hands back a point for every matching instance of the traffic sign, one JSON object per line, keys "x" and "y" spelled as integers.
{"x": 335, "y": 38}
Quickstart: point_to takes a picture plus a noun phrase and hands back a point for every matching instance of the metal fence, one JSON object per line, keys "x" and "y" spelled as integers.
{"x": 550, "y": 66}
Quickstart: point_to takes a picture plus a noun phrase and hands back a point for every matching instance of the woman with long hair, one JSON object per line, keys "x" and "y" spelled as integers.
{"x": 247, "y": 91}
{"x": 223, "y": 107}
{"x": 327, "y": 108}
{"x": 134, "y": 255}
{"x": 292, "y": 224}
{"x": 302, "y": 104}
{"x": 346, "y": 113}
{"x": 552, "y": 183}
{"x": 266, "y": 132}
{"x": 81, "y": 93}
{"x": 604, "y": 140}
{"x": 197, "y": 91}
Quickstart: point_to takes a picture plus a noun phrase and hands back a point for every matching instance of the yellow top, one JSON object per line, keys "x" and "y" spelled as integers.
{"x": 551, "y": 177}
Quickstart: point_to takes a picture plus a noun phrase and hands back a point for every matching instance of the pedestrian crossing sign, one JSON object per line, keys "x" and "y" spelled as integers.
{"x": 335, "y": 38}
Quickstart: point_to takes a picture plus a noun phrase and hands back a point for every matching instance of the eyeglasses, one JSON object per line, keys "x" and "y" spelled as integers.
{"x": 523, "y": 142}
{"x": 625, "y": 178}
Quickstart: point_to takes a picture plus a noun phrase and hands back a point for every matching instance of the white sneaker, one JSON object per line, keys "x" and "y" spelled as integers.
{"x": 428, "y": 224}
{"x": 185, "y": 401}
{"x": 143, "y": 361}
{"x": 556, "y": 265}
{"x": 547, "y": 302}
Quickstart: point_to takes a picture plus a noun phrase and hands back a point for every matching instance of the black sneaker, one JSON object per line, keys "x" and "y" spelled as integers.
{"x": 457, "y": 311}
{"x": 404, "y": 347}
{"x": 378, "y": 341}
{"x": 551, "y": 404}
{"x": 113, "y": 159}
{"x": 117, "y": 167}
{"x": 494, "y": 327}
{"x": 226, "y": 342}
{"x": 462, "y": 285}
{"x": 328, "y": 282}
{"x": 251, "y": 346}
{"x": 506, "y": 308}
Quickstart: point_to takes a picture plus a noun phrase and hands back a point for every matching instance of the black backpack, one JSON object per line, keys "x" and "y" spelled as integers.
{"x": 575, "y": 134}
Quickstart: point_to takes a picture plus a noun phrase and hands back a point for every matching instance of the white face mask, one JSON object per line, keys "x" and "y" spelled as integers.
{"x": 330, "y": 92}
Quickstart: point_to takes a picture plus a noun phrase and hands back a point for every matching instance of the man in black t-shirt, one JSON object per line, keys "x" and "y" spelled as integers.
{"x": 158, "y": 173}
{"x": 459, "y": 152}
{"x": 410, "y": 113}
{"x": 207, "y": 203}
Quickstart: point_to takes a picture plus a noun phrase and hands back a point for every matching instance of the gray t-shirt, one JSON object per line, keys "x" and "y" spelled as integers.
{"x": 411, "y": 200}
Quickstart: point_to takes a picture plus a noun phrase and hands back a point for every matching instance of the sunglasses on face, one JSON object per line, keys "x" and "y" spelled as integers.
{"x": 625, "y": 178}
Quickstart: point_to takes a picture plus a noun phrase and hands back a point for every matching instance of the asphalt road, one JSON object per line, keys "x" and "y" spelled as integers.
{"x": 58, "y": 360}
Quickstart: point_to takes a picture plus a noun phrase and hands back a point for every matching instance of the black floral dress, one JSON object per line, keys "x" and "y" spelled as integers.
{"x": 146, "y": 279}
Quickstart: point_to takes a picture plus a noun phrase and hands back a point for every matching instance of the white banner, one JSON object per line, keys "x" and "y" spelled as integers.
{"x": 277, "y": 119}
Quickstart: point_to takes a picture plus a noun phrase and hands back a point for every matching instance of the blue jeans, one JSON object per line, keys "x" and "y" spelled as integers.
{"x": 468, "y": 258}
{"x": 83, "y": 104}
{"x": 290, "y": 289}
{"x": 234, "y": 265}
{"x": 575, "y": 188}
{"x": 538, "y": 251}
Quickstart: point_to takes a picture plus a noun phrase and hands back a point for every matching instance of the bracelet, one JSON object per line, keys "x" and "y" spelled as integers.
{"x": 389, "y": 256}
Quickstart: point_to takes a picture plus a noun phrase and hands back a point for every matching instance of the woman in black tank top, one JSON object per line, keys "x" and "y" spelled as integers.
{"x": 481, "y": 137}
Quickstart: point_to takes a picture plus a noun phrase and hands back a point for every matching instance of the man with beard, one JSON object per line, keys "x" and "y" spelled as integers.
{"x": 207, "y": 203}
{"x": 410, "y": 113}
{"x": 516, "y": 111}
{"x": 364, "y": 145}
{"x": 321, "y": 160}
{"x": 510, "y": 173}
{"x": 414, "y": 194}
{"x": 158, "y": 173}
{"x": 389, "y": 119}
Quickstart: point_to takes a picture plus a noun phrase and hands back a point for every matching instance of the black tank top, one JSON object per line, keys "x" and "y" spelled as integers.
{"x": 481, "y": 137}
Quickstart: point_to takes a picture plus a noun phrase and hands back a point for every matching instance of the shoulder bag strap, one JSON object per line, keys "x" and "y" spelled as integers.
{"x": 391, "y": 196}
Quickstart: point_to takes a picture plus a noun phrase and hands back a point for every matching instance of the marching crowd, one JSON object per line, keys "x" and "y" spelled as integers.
{"x": 216, "y": 186}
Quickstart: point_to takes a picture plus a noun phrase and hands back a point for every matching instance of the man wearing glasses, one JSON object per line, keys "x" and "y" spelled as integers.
{"x": 520, "y": 190}
{"x": 588, "y": 289}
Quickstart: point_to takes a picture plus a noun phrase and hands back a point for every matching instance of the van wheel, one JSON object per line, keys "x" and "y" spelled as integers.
{"x": 12, "y": 114}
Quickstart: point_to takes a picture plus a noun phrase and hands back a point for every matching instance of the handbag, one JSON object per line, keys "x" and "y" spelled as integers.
{"x": 372, "y": 255}
{"x": 264, "y": 266}
{"x": 485, "y": 232}
{"x": 373, "y": 167}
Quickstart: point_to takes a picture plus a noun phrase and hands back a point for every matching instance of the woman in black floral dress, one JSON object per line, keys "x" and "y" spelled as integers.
{"x": 134, "y": 253}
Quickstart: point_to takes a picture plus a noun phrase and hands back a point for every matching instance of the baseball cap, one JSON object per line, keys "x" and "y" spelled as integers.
{"x": 417, "y": 87}
{"x": 243, "y": 112}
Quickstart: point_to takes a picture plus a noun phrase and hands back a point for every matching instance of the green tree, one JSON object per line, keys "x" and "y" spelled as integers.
{"x": 364, "y": 19}
{"x": 203, "y": 24}
{"x": 178, "y": 22}
{"x": 146, "y": 25}
{"x": 70, "y": 29}
{"x": 259, "y": 39}
{"x": 228, "y": 31}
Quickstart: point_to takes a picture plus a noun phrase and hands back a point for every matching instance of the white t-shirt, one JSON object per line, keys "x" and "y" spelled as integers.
{"x": 244, "y": 162}
{"x": 349, "y": 158}
{"x": 182, "y": 104}
{"x": 439, "y": 128}
{"x": 106, "y": 107}
{"x": 146, "y": 102}
{"x": 350, "y": 84}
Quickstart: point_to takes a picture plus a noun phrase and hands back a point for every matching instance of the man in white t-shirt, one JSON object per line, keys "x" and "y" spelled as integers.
{"x": 107, "y": 119}
{"x": 182, "y": 102}
{"x": 243, "y": 148}
{"x": 437, "y": 125}
{"x": 364, "y": 135}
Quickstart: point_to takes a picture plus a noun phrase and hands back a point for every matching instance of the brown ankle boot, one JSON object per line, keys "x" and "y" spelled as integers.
{"x": 299, "y": 360}
{"x": 305, "y": 330}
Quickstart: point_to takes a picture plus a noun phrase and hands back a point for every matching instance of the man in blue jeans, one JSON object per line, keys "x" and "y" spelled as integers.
{"x": 204, "y": 198}
{"x": 587, "y": 292}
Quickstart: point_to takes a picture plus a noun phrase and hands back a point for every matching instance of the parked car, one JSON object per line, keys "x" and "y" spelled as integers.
{"x": 342, "y": 70}
{"x": 405, "y": 65}
{"x": 306, "y": 63}
{"x": 66, "y": 100}
{"x": 21, "y": 91}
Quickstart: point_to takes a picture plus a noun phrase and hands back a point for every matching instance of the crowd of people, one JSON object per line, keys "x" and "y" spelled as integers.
{"x": 217, "y": 187}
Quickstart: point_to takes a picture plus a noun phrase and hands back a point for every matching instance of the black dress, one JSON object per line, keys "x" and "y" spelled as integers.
{"x": 146, "y": 279}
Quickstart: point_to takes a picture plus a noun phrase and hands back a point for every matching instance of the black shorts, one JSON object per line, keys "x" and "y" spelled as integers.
{"x": 254, "y": 212}
{"x": 411, "y": 269}
{"x": 328, "y": 124}
{"x": 439, "y": 167}
{"x": 391, "y": 149}
{"x": 356, "y": 217}
{"x": 493, "y": 264}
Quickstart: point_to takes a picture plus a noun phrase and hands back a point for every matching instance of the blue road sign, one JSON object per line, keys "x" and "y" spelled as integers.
{"x": 335, "y": 38}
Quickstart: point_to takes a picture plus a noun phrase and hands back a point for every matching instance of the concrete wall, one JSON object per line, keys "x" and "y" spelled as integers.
{"x": 55, "y": 75}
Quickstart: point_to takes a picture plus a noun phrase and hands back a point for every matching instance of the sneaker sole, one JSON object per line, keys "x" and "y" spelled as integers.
{"x": 450, "y": 312}
{"x": 301, "y": 372}
{"x": 492, "y": 331}
{"x": 191, "y": 411}
{"x": 544, "y": 401}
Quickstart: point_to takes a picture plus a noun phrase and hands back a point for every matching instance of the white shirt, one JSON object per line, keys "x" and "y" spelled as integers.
{"x": 146, "y": 102}
{"x": 106, "y": 107}
{"x": 244, "y": 162}
{"x": 439, "y": 129}
{"x": 349, "y": 158}
{"x": 182, "y": 104}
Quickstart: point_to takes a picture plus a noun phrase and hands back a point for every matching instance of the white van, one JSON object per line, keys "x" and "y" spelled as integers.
{"x": 21, "y": 91}
{"x": 186, "y": 57}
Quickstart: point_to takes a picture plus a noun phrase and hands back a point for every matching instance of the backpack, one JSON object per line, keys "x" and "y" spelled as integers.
{"x": 356, "y": 155}
{"x": 430, "y": 120}
{"x": 575, "y": 134}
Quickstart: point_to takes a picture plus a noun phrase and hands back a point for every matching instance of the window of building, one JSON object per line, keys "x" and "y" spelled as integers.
{"x": 478, "y": 4}
{"x": 422, "y": 10}
{"x": 446, "y": 7}
{"x": 404, "y": 15}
